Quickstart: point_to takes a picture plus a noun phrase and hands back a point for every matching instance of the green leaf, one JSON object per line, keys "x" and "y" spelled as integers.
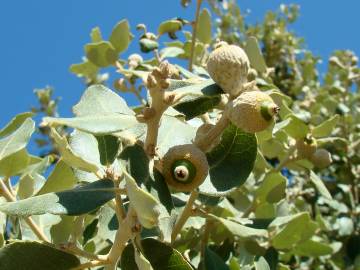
{"x": 296, "y": 128}
{"x": 96, "y": 35}
{"x": 61, "y": 178}
{"x": 29, "y": 184}
{"x": 98, "y": 99}
{"x": 204, "y": 27}
{"x": 171, "y": 52}
{"x": 17, "y": 140}
{"x": 241, "y": 231}
{"x": 272, "y": 188}
{"x": 102, "y": 53}
{"x": 60, "y": 233}
{"x": 137, "y": 163}
{"x": 148, "y": 45}
{"x": 160, "y": 255}
{"x": 198, "y": 98}
{"x": 98, "y": 125}
{"x": 108, "y": 149}
{"x": 256, "y": 58}
{"x": 261, "y": 264}
{"x": 325, "y": 128}
{"x": 120, "y": 36}
{"x": 35, "y": 256}
{"x": 15, "y": 123}
{"x": 311, "y": 248}
{"x": 15, "y": 163}
{"x": 85, "y": 69}
{"x": 213, "y": 261}
{"x": 77, "y": 201}
{"x": 320, "y": 186}
{"x": 288, "y": 231}
{"x": 77, "y": 158}
{"x": 231, "y": 162}
{"x": 147, "y": 207}
{"x": 169, "y": 134}
{"x": 170, "y": 26}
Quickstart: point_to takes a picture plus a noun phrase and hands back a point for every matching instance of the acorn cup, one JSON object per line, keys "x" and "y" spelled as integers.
{"x": 185, "y": 167}
{"x": 306, "y": 147}
{"x": 252, "y": 111}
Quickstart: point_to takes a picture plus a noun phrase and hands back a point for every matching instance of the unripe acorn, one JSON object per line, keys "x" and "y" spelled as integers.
{"x": 185, "y": 167}
{"x": 228, "y": 66}
{"x": 306, "y": 147}
{"x": 252, "y": 111}
{"x": 321, "y": 158}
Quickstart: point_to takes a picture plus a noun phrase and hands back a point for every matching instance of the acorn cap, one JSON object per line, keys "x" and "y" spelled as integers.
{"x": 306, "y": 147}
{"x": 228, "y": 66}
{"x": 252, "y": 111}
{"x": 185, "y": 167}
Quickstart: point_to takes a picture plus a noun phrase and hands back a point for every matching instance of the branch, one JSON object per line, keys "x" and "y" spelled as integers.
{"x": 193, "y": 41}
{"x": 123, "y": 234}
{"x": 186, "y": 213}
{"x": 29, "y": 221}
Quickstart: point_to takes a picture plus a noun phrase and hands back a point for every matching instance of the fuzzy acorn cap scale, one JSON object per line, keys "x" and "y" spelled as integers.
{"x": 252, "y": 111}
{"x": 228, "y": 66}
{"x": 185, "y": 167}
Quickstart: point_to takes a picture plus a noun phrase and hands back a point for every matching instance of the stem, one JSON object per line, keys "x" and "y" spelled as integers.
{"x": 90, "y": 264}
{"x": 193, "y": 41}
{"x": 119, "y": 208}
{"x": 286, "y": 160}
{"x": 213, "y": 134}
{"x": 29, "y": 221}
{"x": 73, "y": 249}
{"x": 205, "y": 240}
{"x": 122, "y": 236}
{"x": 186, "y": 213}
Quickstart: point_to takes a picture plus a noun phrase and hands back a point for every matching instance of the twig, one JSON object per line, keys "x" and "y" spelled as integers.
{"x": 29, "y": 221}
{"x": 73, "y": 249}
{"x": 193, "y": 41}
{"x": 123, "y": 234}
{"x": 186, "y": 213}
{"x": 119, "y": 208}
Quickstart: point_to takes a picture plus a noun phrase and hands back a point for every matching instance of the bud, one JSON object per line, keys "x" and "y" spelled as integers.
{"x": 134, "y": 60}
{"x": 252, "y": 111}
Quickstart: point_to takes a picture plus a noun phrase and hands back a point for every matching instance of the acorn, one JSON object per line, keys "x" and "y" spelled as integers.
{"x": 321, "y": 158}
{"x": 306, "y": 147}
{"x": 185, "y": 167}
{"x": 228, "y": 65}
{"x": 252, "y": 111}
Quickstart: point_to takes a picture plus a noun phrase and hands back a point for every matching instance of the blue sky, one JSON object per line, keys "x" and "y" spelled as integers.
{"x": 40, "y": 39}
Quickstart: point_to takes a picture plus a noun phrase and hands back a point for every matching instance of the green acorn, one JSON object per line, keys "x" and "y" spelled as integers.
{"x": 228, "y": 65}
{"x": 252, "y": 111}
{"x": 185, "y": 167}
{"x": 321, "y": 158}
